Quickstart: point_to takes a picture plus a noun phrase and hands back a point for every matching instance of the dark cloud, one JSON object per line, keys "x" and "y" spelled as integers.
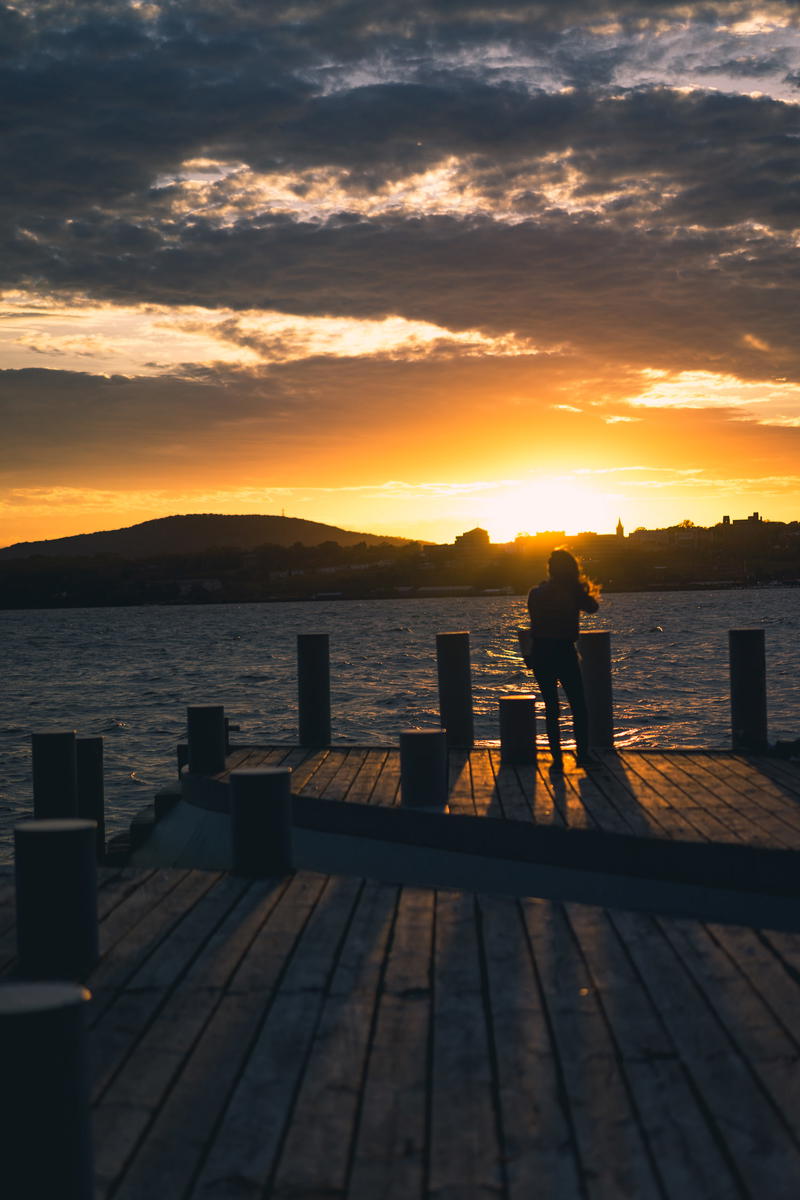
{"x": 694, "y": 193}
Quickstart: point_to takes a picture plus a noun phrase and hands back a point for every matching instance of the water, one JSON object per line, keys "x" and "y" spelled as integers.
{"x": 128, "y": 674}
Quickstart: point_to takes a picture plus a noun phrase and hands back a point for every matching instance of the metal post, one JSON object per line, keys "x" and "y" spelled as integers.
{"x": 261, "y": 821}
{"x": 517, "y": 729}
{"x": 314, "y": 689}
{"x": 424, "y": 768}
{"x": 205, "y": 730}
{"x": 56, "y": 886}
{"x": 44, "y": 1100}
{"x": 91, "y": 790}
{"x": 55, "y": 785}
{"x": 455, "y": 689}
{"x": 748, "y": 689}
{"x": 595, "y": 652}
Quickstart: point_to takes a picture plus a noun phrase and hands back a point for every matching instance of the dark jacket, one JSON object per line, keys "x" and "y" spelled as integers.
{"x": 555, "y": 608}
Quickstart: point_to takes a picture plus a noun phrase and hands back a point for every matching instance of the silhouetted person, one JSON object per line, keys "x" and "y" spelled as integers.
{"x": 555, "y": 607}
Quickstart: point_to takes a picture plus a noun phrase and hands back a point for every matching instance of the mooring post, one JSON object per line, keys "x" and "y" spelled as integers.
{"x": 261, "y": 821}
{"x": 314, "y": 689}
{"x": 91, "y": 788}
{"x": 205, "y": 733}
{"x": 595, "y": 652}
{"x": 44, "y": 1100}
{"x": 229, "y": 729}
{"x": 424, "y": 779}
{"x": 748, "y": 689}
{"x": 56, "y": 887}
{"x": 182, "y": 751}
{"x": 517, "y": 729}
{"x": 455, "y": 689}
{"x": 55, "y": 776}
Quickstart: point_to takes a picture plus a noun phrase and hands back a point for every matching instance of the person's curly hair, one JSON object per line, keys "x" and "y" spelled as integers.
{"x": 564, "y": 567}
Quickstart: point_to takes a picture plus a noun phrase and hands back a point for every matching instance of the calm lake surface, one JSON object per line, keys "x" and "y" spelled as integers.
{"x": 128, "y": 674}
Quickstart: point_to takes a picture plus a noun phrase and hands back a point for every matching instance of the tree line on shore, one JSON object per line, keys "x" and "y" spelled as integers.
{"x": 329, "y": 570}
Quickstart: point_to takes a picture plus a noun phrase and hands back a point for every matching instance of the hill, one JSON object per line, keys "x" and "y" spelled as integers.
{"x": 194, "y": 534}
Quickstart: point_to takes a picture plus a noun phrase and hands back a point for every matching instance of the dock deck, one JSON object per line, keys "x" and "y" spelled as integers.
{"x": 708, "y": 796}
{"x": 689, "y": 818}
{"x": 324, "y": 1036}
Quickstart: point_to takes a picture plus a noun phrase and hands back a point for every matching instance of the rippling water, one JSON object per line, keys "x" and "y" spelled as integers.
{"x": 128, "y": 673}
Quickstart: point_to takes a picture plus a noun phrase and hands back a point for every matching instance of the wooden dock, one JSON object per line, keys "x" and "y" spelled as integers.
{"x": 702, "y": 796}
{"x": 329, "y": 1037}
{"x": 705, "y": 819}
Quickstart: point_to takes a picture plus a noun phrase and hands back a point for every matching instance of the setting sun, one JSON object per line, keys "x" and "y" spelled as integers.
{"x": 552, "y": 502}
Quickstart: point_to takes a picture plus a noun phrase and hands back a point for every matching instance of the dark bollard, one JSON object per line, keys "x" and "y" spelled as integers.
{"x": 44, "y": 1100}
{"x": 91, "y": 790}
{"x": 261, "y": 821}
{"x": 55, "y": 782}
{"x": 455, "y": 689}
{"x": 595, "y": 652}
{"x": 517, "y": 729}
{"x": 56, "y": 885}
{"x": 748, "y": 689}
{"x": 205, "y": 729}
{"x": 424, "y": 779}
{"x": 314, "y": 689}
{"x": 183, "y": 756}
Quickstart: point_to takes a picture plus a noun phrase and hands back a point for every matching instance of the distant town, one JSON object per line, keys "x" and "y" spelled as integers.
{"x": 738, "y": 552}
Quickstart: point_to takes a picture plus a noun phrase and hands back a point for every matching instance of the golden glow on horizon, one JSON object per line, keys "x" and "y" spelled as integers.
{"x": 549, "y": 503}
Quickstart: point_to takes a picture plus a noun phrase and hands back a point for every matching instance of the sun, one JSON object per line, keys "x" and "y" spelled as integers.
{"x": 555, "y": 502}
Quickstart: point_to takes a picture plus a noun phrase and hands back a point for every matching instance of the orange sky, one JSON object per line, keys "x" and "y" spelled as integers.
{"x": 523, "y": 275}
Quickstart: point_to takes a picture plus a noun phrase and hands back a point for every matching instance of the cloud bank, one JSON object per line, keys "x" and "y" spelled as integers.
{"x": 286, "y": 224}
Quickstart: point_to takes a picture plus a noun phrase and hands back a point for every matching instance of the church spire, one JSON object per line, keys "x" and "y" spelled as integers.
{"x": 620, "y": 528}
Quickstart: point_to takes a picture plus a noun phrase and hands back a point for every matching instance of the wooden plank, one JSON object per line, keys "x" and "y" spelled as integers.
{"x": 783, "y": 772}
{"x": 307, "y": 766}
{"x": 663, "y": 818}
{"x": 128, "y": 1104}
{"x": 168, "y": 1158}
{"x": 459, "y": 796}
{"x": 386, "y": 791}
{"x": 389, "y": 1150}
{"x": 614, "y": 1156}
{"x": 315, "y": 783}
{"x": 136, "y": 905}
{"x": 565, "y": 802}
{"x": 704, "y": 798}
{"x": 485, "y": 794}
{"x": 465, "y": 1158}
{"x": 538, "y": 1138}
{"x": 756, "y": 789}
{"x": 760, "y": 1039}
{"x": 363, "y": 785}
{"x": 776, "y": 980}
{"x": 686, "y": 802}
{"x": 127, "y": 954}
{"x": 683, "y": 1148}
{"x": 314, "y": 1159}
{"x": 747, "y": 1124}
{"x": 243, "y": 756}
{"x": 713, "y": 780}
{"x": 121, "y": 1019}
{"x": 248, "y": 1140}
{"x": 339, "y": 785}
{"x": 608, "y": 808}
{"x": 517, "y": 790}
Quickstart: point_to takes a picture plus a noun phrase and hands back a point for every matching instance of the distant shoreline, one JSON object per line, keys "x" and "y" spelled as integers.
{"x": 433, "y": 594}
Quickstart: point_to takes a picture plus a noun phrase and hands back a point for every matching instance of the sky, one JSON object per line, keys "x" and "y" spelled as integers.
{"x": 403, "y": 268}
